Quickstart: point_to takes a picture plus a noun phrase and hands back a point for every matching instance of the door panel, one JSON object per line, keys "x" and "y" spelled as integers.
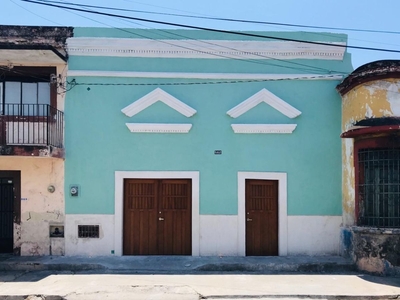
{"x": 6, "y": 215}
{"x": 175, "y": 212}
{"x": 261, "y": 217}
{"x": 140, "y": 212}
{"x": 157, "y": 217}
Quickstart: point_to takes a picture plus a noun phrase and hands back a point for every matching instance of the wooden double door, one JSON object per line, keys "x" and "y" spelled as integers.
{"x": 157, "y": 217}
{"x": 261, "y": 217}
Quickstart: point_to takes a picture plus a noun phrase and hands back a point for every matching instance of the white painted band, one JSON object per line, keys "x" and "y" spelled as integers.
{"x": 159, "y": 128}
{"x": 263, "y": 128}
{"x": 210, "y": 49}
{"x": 211, "y": 76}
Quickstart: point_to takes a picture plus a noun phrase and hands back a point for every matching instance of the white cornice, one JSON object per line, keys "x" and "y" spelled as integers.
{"x": 223, "y": 76}
{"x": 159, "y": 128}
{"x": 263, "y": 128}
{"x": 154, "y": 96}
{"x": 267, "y": 97}
{"x": 217, "y": 49}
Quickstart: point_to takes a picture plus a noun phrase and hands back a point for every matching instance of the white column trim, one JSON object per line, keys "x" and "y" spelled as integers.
{"x": 119, "y": 199}
{"x": 282, "y": 209}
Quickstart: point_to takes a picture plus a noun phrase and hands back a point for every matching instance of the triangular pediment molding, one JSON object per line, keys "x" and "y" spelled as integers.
{"x": 155, "y": 96}
{"x": 264, "y": 96}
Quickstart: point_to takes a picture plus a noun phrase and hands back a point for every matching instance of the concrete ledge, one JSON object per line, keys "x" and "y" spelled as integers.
{"x": 180, "y": 264}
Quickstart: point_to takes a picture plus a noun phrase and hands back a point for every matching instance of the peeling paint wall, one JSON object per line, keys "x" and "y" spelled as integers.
{"x": 374, "y": 251}
{"x": 39, "y": 207}
{"x": 375, "y": 99}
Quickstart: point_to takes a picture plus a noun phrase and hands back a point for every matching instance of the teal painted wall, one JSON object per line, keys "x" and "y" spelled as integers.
{"x": 98, "y": 143}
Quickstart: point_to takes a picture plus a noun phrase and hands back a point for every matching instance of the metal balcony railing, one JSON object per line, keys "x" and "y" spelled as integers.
{"x": 31, "y": 125}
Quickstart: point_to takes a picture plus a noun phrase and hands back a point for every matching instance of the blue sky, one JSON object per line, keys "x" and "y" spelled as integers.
{"x": 366, "y": 15}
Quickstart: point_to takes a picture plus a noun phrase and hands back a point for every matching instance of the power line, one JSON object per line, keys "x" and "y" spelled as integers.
{"x": 307, "y": 67}
{"x": 226, "y": 19}
{"x": 74, "y": 83}
{"x": 34, "y": 13}
{"x": 213, "y": 29}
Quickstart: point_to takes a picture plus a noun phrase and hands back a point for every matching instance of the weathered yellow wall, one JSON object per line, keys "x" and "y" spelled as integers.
{"x": 41, "y": 208}
{"x": 375, "y": 99}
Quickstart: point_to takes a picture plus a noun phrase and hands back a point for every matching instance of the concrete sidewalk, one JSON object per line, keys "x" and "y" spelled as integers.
{"x": 189, "y": 278}
{"x": 180, "y": 264}
{"x": 63, "y": 285}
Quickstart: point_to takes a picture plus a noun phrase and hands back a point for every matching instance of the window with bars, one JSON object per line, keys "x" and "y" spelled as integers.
{"x": 379, "y": 187}
{"x": 88, "y": 231}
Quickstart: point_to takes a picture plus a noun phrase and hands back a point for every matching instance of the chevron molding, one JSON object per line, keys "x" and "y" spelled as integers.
{"x": 267, "y": 97}
{"x": 155, "y": 96}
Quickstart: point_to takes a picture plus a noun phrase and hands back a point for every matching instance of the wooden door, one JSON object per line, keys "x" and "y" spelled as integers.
{"x": 140, "y": 213}
{"x": 261, "y": 217}
{"x": 175, "y": 217}
{"x": 157, "y": 217}
{"x": 6, "y": 214}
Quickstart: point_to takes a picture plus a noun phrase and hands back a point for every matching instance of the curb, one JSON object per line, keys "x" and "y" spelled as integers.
{"x": 208, "y": 267}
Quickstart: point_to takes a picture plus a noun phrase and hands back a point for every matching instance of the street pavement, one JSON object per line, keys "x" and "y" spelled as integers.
{"x": 189, "y": 278}
{"x": 94, "y": 285}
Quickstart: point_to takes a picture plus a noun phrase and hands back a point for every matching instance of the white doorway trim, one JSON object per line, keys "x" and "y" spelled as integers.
{"x": 119, "y": 200}
{"x": 282, "y": 209}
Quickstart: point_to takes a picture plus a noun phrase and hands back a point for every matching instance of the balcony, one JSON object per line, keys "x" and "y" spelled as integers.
{"x": 31, "y": 130}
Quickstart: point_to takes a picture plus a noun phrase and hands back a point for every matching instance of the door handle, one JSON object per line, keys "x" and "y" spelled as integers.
{"x": 160, "y": 219}
{"x": 249, "y": 220}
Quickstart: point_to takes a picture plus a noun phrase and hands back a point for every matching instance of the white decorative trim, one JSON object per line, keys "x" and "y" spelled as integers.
{"x": 223, "y": 76}
{"x": 267, "y": 97}
{"x": 214, "y": 49}
{"x": 158, "y": 95}
{"x": 119, "y": 201}
{"x": 159, "y": 128}
{"x": 282, "y": 209}
{"x": 263, "y": 128}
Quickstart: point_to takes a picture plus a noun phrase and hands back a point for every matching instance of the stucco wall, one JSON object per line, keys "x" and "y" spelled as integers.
{"x": 99, "y": 143}
{"x": 375, "y": 99}
{"x": 39, "y": 208}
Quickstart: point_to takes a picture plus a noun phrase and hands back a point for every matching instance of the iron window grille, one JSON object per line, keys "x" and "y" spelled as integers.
{"x": 88, "y": 231}
{"x": 379, "y": 187}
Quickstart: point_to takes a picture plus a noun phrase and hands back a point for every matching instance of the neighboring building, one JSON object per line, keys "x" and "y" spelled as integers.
{"x": 371, "y": 166}
{"x": 201, "y": 143}
{"x": 33, "y": 62}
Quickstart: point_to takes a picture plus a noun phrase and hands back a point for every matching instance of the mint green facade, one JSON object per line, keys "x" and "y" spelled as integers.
{"x": 98, "y": 143}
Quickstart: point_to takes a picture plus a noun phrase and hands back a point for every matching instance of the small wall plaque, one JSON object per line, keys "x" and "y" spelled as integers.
{"x": 217, "y": 152}
{"x": 57, "y": 231}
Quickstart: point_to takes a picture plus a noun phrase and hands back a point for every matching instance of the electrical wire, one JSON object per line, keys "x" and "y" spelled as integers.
{"x": 213, "y": 29}
{"x": 213, "y": 82}
{"x": 308, "y": 67}
{"x": 199, "y": 83}
{"x": 34, "y": 13}
{"x": 226, "y": 19}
